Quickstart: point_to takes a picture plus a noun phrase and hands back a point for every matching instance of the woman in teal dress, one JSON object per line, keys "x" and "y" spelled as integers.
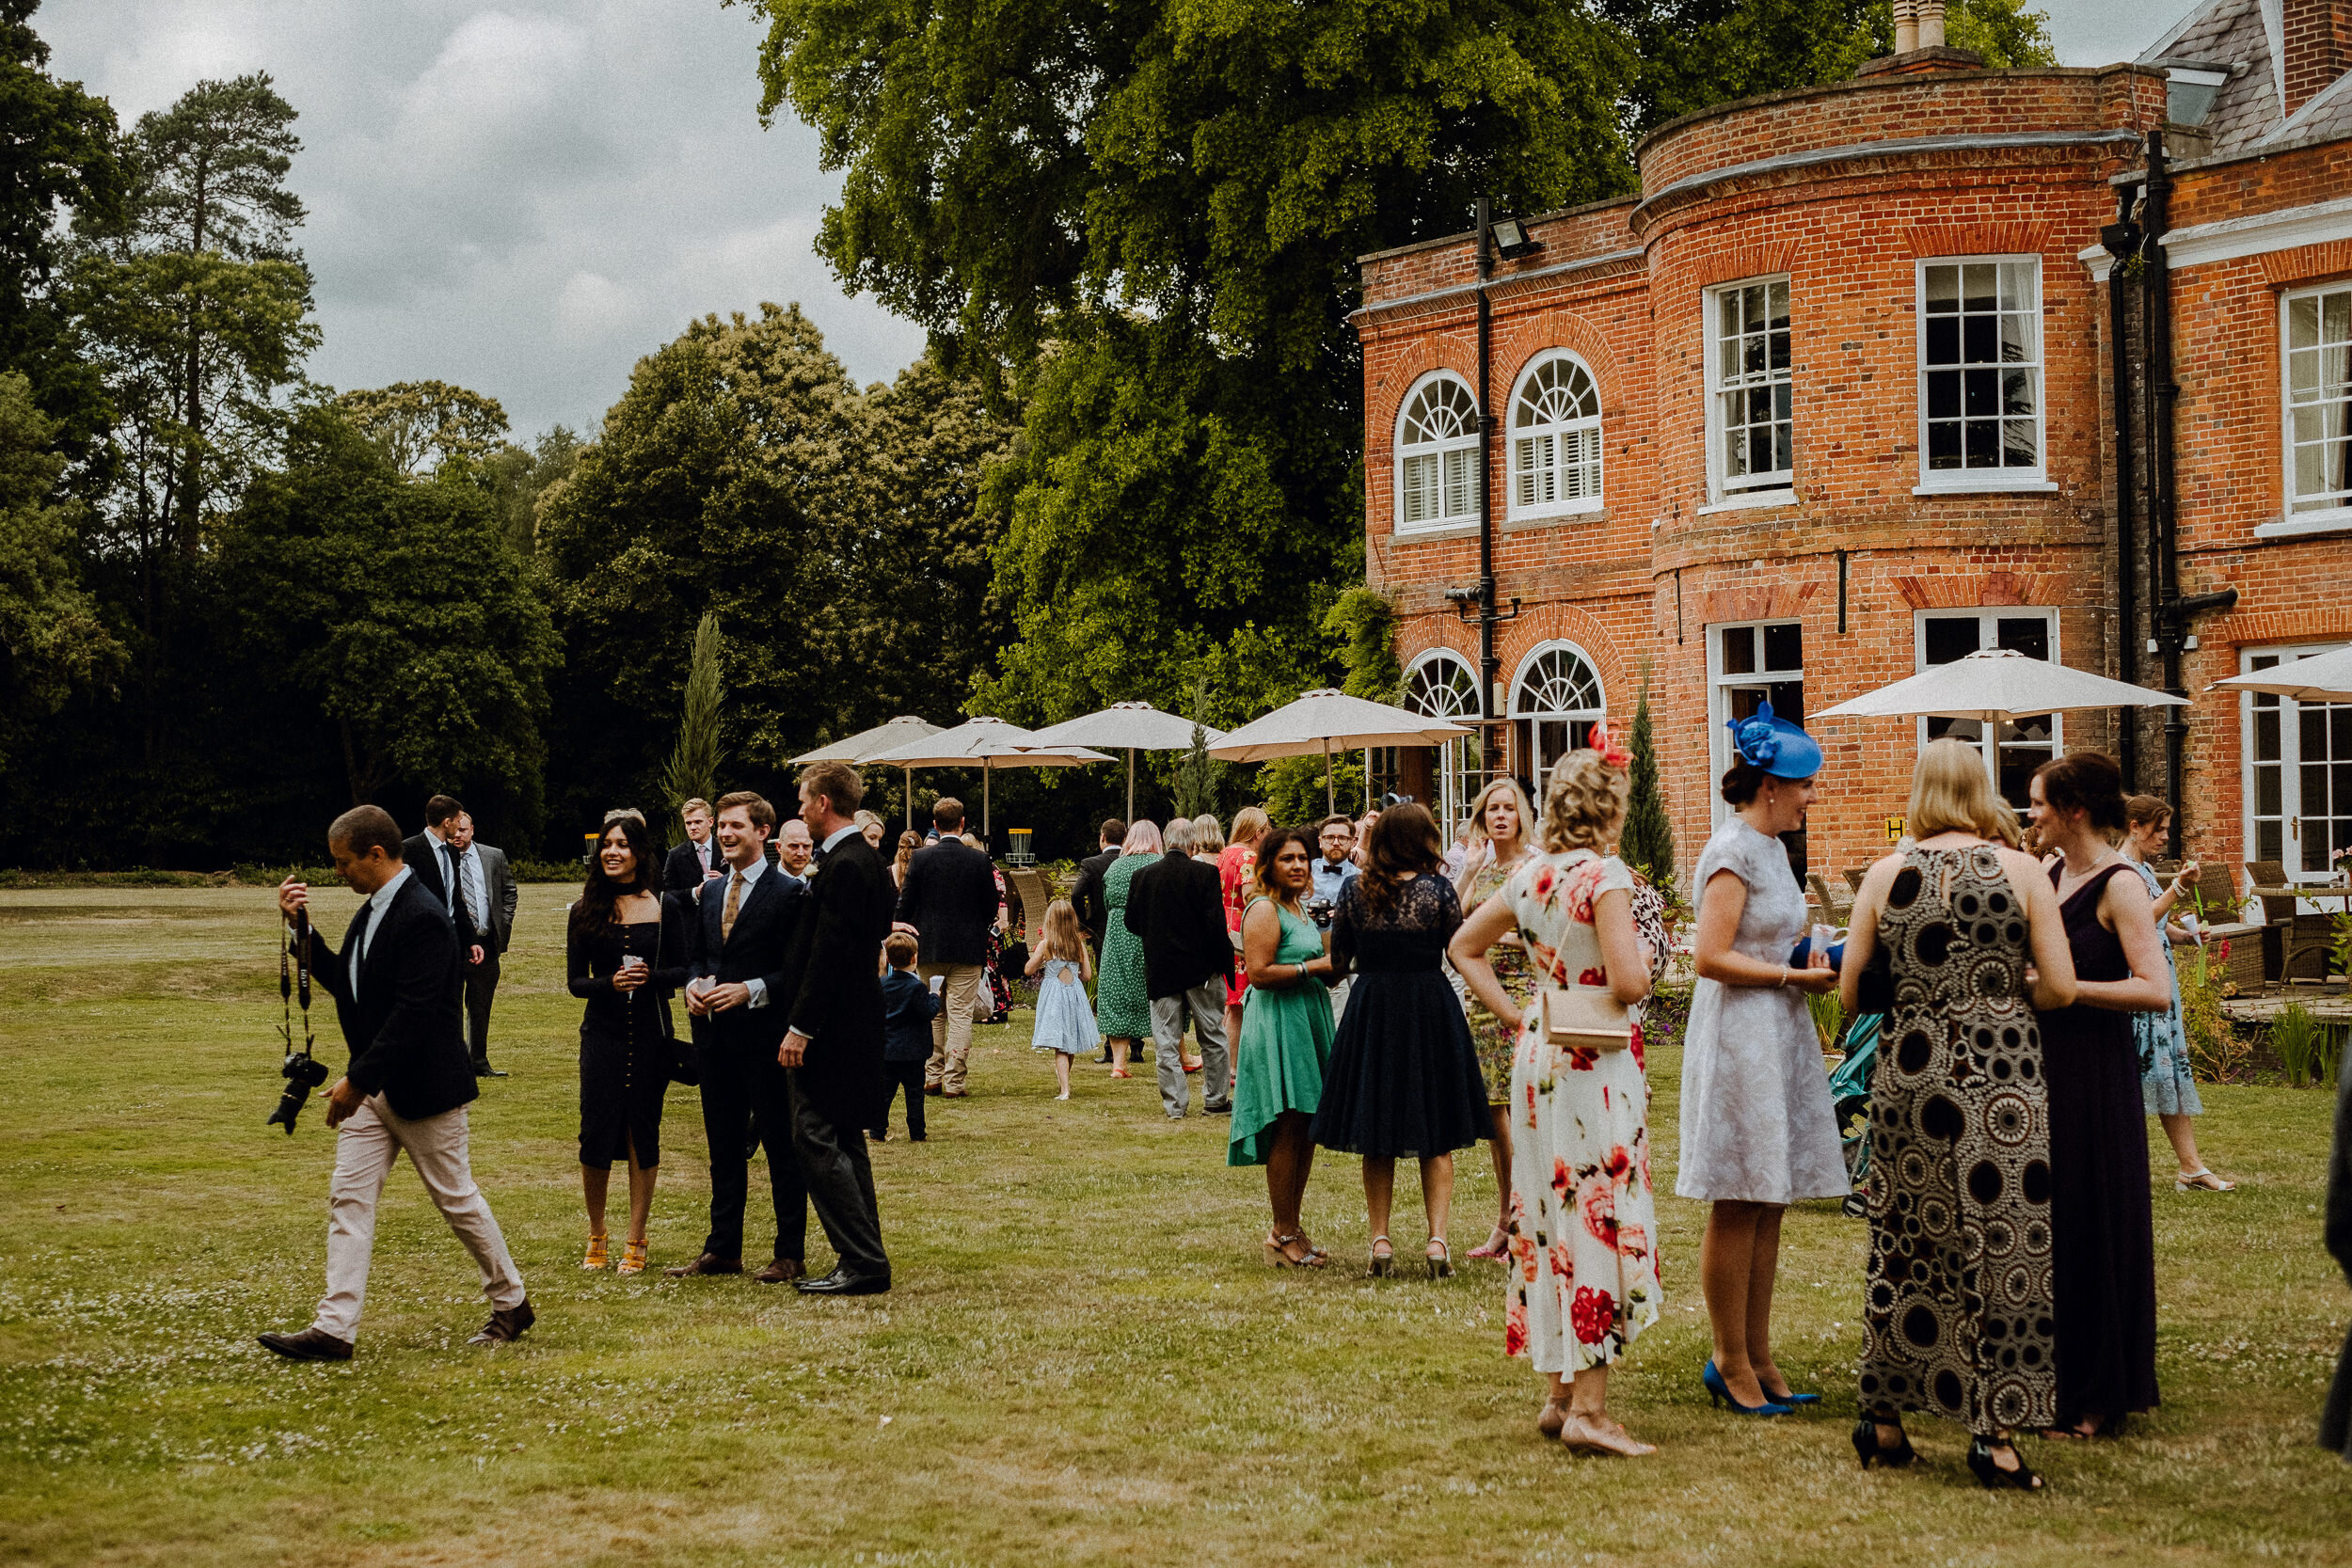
{"x": 1122, "y": 999}
{"x": 1286, "y": 1033}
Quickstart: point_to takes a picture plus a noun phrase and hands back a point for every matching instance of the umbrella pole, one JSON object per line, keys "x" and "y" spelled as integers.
{"x": 1330, "y": 796}
{"x": 1993, "y": 753}
{"x": 986, "y": 774}
{"x": 1131, "y": 783}
{"x": 909, "y": 799}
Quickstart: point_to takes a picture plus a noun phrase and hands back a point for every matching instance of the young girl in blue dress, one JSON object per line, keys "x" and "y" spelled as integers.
{"x": 1065, "y": 1021}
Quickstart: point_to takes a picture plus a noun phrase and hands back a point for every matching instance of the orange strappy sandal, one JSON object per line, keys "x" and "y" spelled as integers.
{"x": 632, "y": 1257}
{"x": 597, "y": 1258}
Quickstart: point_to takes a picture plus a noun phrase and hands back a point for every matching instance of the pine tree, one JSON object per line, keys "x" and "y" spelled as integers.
{"x": 1195, "y": 775}
{"x": 1648, "y": 843}
{"x": 694, "y": 767}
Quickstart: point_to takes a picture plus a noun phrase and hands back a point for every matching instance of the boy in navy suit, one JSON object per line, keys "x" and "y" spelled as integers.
{"x": 907, "y": 1008}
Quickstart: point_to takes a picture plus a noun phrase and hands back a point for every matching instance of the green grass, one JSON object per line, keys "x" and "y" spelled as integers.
{"x": 1084, "y": 1360}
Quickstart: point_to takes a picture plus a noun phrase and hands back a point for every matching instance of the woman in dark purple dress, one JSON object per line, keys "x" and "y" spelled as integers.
{"x": 2102, "y": 1243}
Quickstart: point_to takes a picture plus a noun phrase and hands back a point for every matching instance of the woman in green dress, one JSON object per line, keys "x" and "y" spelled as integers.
{"x": 1285, "y": 1041}
{"x": 1501, "y": 823}
{"x": 1122, "y": 999}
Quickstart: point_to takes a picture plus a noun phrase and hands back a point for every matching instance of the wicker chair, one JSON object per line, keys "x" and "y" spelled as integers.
{"x": 2294, "y": 945}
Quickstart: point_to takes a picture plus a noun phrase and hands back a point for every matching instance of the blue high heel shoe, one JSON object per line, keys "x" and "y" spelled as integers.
{"x": 1720, "y": 1393}
{"x": 1790, "y": 1400}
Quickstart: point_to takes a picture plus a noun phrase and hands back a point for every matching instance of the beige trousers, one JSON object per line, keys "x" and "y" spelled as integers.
{"x": 366, "y": 1147}
{"x": 951, "y": 1030}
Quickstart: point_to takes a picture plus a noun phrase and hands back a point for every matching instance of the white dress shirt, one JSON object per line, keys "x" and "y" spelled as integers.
{"x": 751, "y": 875}
{"x": 375, "y": 906}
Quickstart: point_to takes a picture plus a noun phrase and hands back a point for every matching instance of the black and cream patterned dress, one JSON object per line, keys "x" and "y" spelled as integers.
{"x": 1957, "y": 1319}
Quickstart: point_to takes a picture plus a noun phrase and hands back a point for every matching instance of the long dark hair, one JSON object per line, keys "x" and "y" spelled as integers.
{"x": 601, "y": 894}
{"x": 1404, "y": 843}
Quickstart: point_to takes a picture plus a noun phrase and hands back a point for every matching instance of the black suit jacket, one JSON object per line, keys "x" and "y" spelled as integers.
{"x": 1086, "y": 897}
{"x": 1177, "y": 908}
{"x": 835, "y": 980}
{"x": 682, "y": 872}
{"x": 950, "y": 899}
{"x": 423, "y": 856}
{"x": 756, "y": 950}
{"x": 403, "y": 1020}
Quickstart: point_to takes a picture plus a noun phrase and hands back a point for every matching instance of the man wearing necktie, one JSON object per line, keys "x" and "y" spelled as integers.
{"x": 438, "y": 860}
{"x": 483, "y": 900}
{"x": 699, "y": 860}
{"x": 395, "y": 991}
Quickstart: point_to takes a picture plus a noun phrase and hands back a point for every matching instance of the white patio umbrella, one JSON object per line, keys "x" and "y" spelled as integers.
{"x": 867, "y": 744}
{"x": 2321, "y": 678}
{"x": 1998, "y": 686}
{"x": 992, "y": 744}
{"x": 1322, "y": 719}
{"x": 1129, "y": 727}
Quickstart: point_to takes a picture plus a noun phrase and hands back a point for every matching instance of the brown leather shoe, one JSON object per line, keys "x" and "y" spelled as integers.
{"x": 312, "y": 1344}
{"x": 506, "y": 1324}
{"x": 710, "y": 1263}
{"x": 782, "y": 1271}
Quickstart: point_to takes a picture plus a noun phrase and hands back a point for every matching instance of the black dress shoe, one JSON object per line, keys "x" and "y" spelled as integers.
{"x": 506, "y": 1324}
{"x": 484, "y": 1069}
{"x": 842, "y": 1283}
{"x": 312, "y": 1344}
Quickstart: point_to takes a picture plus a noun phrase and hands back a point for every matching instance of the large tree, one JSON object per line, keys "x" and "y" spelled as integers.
{"x": 52, "y": 645}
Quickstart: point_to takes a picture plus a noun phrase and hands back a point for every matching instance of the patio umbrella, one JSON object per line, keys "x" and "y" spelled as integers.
{"x": 1321, "y": 720}
{"x": 868, "y": 744}
{"x": 1129, "y": 727}
{"x": 1998, "y": 686}
{"x": 2321, "y": 678}
{"x": 992, "y": 744}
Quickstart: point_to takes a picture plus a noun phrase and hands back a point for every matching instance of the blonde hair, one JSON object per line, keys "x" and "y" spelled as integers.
{"x": 1250, "y": 825}
{"x": 1473, "y": 834}
{"x": 1061, "y": 939}
{"x": 1207, "y": 837}
{"x": 1585, "y": 803}
{"x": 1950, "y": 793}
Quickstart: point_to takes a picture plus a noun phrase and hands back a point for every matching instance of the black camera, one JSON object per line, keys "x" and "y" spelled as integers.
{"x": 303, "y": 1074}
{"x": 1319, "y": 911}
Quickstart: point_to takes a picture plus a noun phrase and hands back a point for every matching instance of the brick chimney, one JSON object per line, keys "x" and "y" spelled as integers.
{"x": 1919, "y": 45}
{"x": 2318, "y": 47}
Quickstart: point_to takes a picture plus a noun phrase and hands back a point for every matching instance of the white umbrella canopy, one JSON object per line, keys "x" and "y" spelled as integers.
{"x": 867, "y": 744}
{"x": 1319, "y": 720}
{"x": 991, "y": 743}
{"x": 1129, "y": 727}
{"x": 1998, "y": 686}
{"x": 2321, "y": 678}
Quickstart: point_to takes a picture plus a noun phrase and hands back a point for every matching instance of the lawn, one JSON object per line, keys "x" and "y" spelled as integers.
{"x": 1084, "y": 1360}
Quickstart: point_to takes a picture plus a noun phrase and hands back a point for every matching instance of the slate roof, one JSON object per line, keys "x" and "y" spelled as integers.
{"x": 2230, "y": 32}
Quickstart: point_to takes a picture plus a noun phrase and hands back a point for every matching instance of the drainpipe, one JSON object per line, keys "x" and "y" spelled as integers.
{"x": 2121, "y": 241}
{"x": 1489, "y": 667}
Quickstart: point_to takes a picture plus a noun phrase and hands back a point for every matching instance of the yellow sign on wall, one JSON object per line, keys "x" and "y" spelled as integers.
{"x": 1894, "y": 828}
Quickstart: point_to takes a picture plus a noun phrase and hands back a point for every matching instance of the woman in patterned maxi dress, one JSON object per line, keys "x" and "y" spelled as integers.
{"x": 1583, "y": 1266}
{"x": 1958, "y": 1318}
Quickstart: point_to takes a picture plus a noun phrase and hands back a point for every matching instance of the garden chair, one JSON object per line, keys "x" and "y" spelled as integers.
{"x": 2294, "y": 945}
{"x": 2216, "y": 891}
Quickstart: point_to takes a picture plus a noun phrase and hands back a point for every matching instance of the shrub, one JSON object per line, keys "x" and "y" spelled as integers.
{"x": 2216, "y": 1053}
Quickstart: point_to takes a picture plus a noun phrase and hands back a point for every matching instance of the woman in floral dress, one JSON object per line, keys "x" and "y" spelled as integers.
{"x": 1584, "y": 1267}
{"x": 1501, "y": 821}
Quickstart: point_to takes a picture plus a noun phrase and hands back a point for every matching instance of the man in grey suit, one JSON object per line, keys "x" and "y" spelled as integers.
{"x": 484, "y": 904}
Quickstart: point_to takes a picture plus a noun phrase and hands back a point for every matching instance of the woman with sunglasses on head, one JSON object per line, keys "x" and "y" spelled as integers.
{"x": 2103, "y": 1253}
{"x": 1758, "y": 1129}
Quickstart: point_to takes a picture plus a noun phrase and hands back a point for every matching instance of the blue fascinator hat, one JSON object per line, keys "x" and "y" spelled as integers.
{"x": 1769, "y": 742}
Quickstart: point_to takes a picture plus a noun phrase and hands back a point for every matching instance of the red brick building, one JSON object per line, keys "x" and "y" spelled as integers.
{"x": 1835, "y": 397}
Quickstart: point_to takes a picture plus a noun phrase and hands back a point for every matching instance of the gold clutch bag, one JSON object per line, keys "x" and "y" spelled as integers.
{"x": 1585, "y": 1018}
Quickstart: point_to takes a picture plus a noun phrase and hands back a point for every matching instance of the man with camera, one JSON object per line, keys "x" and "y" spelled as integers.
{"x": 395, "y": 986}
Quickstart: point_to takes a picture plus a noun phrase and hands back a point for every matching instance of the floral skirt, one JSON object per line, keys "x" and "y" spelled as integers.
{"x": 1583, "y": 1270}
{"x": 1496, "y": 1040}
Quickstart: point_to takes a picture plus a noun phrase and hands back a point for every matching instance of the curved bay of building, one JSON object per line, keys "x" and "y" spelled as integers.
{"x": 1834, "y": 399}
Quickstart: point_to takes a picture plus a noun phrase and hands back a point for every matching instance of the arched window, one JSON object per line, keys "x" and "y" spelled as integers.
{"x": 1555, "y": 439}
{"x": 1442, "y": 685}
{"x": 1437, "y": 452}
{"x": 1554, "y": 700}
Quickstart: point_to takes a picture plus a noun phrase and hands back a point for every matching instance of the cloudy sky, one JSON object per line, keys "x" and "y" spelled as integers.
{"x": 525, "y": 198}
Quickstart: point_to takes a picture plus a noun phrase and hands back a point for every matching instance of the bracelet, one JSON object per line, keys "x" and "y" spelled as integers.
{"x": 1781, "y": 984}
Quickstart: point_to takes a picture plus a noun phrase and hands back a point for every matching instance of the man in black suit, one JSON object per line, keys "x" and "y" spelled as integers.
{"x": 1176, "y": 907}
{"x": 484, "y": 904}
{"x": 435, "y": 856}
{"x": 699, "y": 859}
{"x": 743, "y": 927}
{"x": 834, "y": 1050}
{"x": 395, "y": 991}
{"x": 949, "y": 903}
{"x": 1086, "y": 897}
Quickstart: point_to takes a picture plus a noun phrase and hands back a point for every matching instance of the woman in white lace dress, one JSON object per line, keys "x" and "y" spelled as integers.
{"x": 1757, "y": 1131}
{"x": 1582, "y": 1233}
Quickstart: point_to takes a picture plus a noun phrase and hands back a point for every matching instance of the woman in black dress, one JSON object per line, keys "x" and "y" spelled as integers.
{"x": 625, "y": 954}
{"x": 2103, "y": 1241}
{"x": 1403, "y": 1078}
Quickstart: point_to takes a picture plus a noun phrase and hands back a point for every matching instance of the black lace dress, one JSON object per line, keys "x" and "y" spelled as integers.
{"x": 1404, "y": 1080}
{"x": 624, "y": 1049}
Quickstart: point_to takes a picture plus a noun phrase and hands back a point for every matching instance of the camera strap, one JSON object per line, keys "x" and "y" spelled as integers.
{"x": 293, "y": 979}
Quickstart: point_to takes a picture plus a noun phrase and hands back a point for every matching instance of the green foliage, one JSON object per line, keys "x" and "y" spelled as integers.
{"x": 2216, "y": 1052}
{"x": 2309, "y": 1050}
{"x": 1828, "y": 1010}
{"x": 1648, "y": 843}
{"x": 424, "y": 426}
{"x": 1293, "y": 787}
{"x": 519, "y": 476}
{"x": 396, "y": 608}
{"x": 693, "y": 769}
{"x": 1367, "y": 620}
{"x": 1197, "y": 774}
{"x": 52, "y": 641}
{"x": 2005, "y": 32}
